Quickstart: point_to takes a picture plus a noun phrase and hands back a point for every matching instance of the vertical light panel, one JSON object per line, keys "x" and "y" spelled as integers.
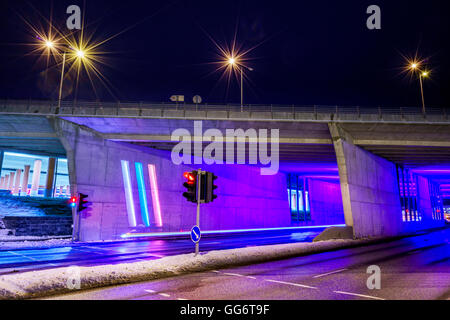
{"x": 142, "y": 193}
{"x": 128, "y": 193}
{"x": 155, "y": 195}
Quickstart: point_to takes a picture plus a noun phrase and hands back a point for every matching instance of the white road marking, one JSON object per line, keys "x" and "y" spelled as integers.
{"x": 150, "y": 291}
{"x": 181, "y": 299}
{"x": 250, "y": 277}
{"x": 164, "y": 295}
{"x": 30, "y": 258}
{"x": 358, "y": 295}
{"x": 329, "y": 273}
{"x": 215, "y": 271}
{"x": 21, "y": 255}
{"x": 291, "y": 284}
{"x": 233, "y": 274}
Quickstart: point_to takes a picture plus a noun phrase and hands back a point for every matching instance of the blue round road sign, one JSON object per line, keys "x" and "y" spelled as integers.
{"x": 195, "y": 234}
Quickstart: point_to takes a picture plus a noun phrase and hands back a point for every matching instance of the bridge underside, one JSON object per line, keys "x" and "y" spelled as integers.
{"x": 360, "y": 159}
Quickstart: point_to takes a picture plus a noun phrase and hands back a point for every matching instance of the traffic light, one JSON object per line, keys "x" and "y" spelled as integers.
{"x": 191, "y": 186}
{"x": 210, "y": 187}
{"x": 73, "y": 202}
{"x": 83, "y": 203}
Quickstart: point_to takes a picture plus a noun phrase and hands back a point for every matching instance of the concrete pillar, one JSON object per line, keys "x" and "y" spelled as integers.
{"x": 17, "y": 182}
{"x": 338, "y": 137}
{"x": 50, "y": 178}
{"x": 11, "y": 181}
{"x": 36, "y": 177}
{"x": 369, "y": 187}
{"x": 26, "y": 175}
{"x": 68, "y": 190}
{"x": 6, "y": 182}
{"x": 2, "y": 182}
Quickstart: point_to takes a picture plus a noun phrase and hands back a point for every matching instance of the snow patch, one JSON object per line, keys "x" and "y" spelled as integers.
{"x": 12, "y": 242}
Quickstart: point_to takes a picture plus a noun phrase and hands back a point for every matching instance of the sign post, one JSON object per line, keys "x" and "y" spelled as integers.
{"x": 199, "y": 183}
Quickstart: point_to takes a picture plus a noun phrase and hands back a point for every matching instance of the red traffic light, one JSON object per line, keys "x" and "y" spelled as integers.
{"x": 190, "y": 177}
{"x": 73, "y": 201}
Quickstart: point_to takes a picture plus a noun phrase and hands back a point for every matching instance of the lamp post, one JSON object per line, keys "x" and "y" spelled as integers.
{"x": 232, "y": 62}
{"x": 61, "y": 81}
{"x": 422, "y": 74}
{"x": 80, "y": 54}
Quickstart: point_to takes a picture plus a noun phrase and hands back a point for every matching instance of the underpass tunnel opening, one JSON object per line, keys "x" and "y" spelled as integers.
{"x": 304, "y": 192}
{"x": 314, "y": 193}
{"x": 34, "y": 192}
{"x": 32, "y": 175}
{"x": 438, "y": 177}
{"x": 423, "y": 177}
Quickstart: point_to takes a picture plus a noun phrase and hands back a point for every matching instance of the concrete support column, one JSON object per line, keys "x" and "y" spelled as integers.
{"x": 337, "y": 136}
{"x": 26, "y": 175}
{"x": 6, "y": 182}
{"x": 11, "y": 181}
{"x": 17, "y": 182}
{"x": 2, "y": 182}
{"x": 50, "y": 178}
{"x": 369, "y": 187}
{"x": 36, "y": 177}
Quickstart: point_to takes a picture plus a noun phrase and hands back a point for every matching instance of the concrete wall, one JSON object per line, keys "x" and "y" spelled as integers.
{"x": 38, "y": 226}
{"x": 245, "y": 198}
{"x": 369, "y": 191}
{"x": 326, "y": 203}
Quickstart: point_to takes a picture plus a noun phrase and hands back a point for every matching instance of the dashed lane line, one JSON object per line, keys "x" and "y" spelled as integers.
{"x": 291, "y": 284}
{"x": 164, "y": 295}
{"x": 233, "y": 274}
{"x": 329, "y": 273}
{"x": 29, "y": 258}
{"x": 358, "y": 295}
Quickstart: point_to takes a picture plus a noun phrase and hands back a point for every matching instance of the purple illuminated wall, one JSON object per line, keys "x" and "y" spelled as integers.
{"x": 326, "y": 202}
{"x": 246, "y": 199}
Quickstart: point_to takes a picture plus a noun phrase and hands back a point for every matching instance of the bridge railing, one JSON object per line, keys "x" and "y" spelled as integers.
{"x": 312, "y": 111}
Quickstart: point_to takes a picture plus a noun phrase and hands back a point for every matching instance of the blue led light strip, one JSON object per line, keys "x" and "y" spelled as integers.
{"x": 142, "y": 194}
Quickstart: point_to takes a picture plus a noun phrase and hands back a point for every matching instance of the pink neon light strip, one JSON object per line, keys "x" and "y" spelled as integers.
{"x": 155, "y": 195}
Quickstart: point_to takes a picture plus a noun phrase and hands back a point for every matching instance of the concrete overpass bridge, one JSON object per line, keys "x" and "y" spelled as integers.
{"x": 365, "y": 148}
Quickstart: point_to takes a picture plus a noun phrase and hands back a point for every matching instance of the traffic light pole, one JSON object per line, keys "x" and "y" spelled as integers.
{"x": 199, "y": 182}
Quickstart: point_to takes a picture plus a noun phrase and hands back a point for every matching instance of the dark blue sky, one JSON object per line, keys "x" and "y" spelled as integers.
{"x": 312, "y": 52}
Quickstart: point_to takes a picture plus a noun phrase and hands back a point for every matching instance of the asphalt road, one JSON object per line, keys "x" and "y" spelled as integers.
{"x": 411, "y": 268}
{"x": 21, "y": 260}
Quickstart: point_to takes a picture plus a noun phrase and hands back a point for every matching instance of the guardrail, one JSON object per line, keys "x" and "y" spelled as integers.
{"x": 318, "y": 112}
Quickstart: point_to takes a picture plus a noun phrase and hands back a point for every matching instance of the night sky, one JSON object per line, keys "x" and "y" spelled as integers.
{"x": 307, "y": 52}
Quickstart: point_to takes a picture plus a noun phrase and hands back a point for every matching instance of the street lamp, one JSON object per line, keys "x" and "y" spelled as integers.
{"x": 415, "y": 67}
{"x": 80, "y": 54}
{"x": 233, "y": 63}
{"x": 421, "y": 76}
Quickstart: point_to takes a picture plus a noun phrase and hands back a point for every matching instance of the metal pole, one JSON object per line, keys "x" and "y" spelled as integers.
{"x": 61, "y": 82}
{"x": 199, "y": 180}
{"x": 242, "y": 90}
{"x": 421, "y": 91}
